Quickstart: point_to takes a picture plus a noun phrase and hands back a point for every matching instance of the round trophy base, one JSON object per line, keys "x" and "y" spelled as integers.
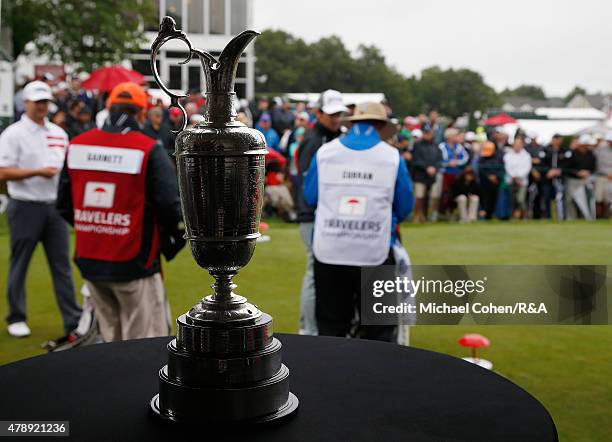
{"x": 287, "y": 411}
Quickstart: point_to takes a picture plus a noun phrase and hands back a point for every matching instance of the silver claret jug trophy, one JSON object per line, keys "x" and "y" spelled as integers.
{"x": 224, "y": 364}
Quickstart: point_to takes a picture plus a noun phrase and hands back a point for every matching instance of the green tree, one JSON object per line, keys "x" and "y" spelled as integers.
{"x": 576, "y": 91}
{"x": 85, "y": 33}
{"x": 454, "y": 92}
{"x": 331, "y": 66}
{"x": 525, "y": 90}
{"x": 282, "y": 60}
{"x": 372, "y": 74}
{"x": 290, "y": 65}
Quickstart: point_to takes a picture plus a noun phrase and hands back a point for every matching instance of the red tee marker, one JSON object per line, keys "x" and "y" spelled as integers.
{"x": 474, "y": 341}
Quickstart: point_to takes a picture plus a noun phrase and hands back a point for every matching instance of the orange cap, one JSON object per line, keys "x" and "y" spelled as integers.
{"x": 487, "y": 149}
{"x": 128, "y": 93}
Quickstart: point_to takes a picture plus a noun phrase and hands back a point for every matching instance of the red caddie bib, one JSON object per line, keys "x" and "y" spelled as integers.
{"x": 107, "y": 172}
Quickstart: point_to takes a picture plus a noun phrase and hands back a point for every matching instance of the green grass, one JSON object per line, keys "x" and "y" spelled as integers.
{"x": 568, "y": 368}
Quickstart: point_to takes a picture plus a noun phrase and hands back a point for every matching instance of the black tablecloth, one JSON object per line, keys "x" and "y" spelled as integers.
{"x": 349, "y": 390}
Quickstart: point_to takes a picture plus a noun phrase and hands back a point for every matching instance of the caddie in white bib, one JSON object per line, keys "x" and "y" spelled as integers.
{"x": 361, "y": 190}
{"x": 353, "y": 218}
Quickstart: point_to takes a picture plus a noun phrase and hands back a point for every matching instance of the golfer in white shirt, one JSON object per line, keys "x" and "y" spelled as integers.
{"x": 32, "y": 152}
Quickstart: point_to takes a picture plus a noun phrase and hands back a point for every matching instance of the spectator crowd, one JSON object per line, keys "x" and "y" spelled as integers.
{"x": 440, "y": 171}
{"x": 458, "y": 174}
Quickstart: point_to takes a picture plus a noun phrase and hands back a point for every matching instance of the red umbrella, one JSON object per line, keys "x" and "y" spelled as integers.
{"x": 499, "y": 120}
{"x": 105, "y": 79}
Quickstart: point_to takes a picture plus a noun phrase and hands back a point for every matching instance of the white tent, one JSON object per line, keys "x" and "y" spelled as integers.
{"x": 158, "y": 94}
{"x": 568, "y": 113}
{"x": 347, "y": 98}
{"x": 561, "y": 120}
{"x": 545, "y": 129}
{"x": 598, "y": 129}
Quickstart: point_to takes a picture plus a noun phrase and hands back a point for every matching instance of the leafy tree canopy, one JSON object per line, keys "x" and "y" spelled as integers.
{"x": 288, "y": 64}
{"x": 576, "y": 91}
{"x": 85, "y": 33}
{"x": 525, "y": 90}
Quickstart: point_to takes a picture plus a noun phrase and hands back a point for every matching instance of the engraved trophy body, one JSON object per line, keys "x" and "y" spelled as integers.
{"x": 224, "y": 365}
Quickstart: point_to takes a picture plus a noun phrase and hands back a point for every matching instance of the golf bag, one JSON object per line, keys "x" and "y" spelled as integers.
{"x": 403, "y": 269}
{"x": 86, "y": 332}
{"x": 3, "y": 203}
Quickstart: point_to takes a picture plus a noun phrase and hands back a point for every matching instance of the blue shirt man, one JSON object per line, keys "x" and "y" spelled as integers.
{"x": 264, "y": 126}
{"x": 454, "y": 155}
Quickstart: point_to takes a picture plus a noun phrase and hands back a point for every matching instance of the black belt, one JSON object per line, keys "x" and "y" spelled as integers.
{"x": 47, "y": 203}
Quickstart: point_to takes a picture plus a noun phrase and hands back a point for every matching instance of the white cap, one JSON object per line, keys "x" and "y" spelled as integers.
{"x": 303, "y": 115}
{"x": 608, "y": 136}
{"x": 37, "y": 91}
{"x": 411, "y": 120}
{"x": 417, "y": 133}
{"x": 330, "y": 102}
{"x": 470, "y": 136}
{"x": 196, "y": 118}
{"x": 586, "y": 139}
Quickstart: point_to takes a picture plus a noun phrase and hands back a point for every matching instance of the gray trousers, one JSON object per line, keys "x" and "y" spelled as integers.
{"x": 30, "y": 223}
{"x": 308, "y": 319}
{"x": 571, "y": 185}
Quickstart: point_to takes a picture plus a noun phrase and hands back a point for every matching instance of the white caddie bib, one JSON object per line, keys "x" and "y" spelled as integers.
{"x": 353, "y": 217}
{"x": 106, "y": 159}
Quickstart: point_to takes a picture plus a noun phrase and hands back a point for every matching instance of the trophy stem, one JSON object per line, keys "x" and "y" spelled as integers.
{"x": 223, "y": 288}
{"x": 223, "y": 306}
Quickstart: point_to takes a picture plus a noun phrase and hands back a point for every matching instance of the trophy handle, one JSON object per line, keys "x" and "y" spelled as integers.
{"x": 167, "y": 32}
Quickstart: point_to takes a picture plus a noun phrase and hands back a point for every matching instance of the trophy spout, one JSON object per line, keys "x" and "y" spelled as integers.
{"x": 224, "y": 72}
{"x": 220, "y": 75}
